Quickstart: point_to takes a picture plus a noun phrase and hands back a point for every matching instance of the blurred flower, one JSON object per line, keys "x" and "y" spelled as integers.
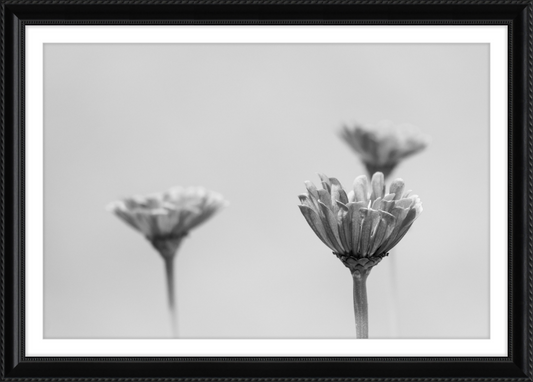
{"x": 383, "y": 146}
{"x": 165, "y": 219}
{"x": 360, "y": 227}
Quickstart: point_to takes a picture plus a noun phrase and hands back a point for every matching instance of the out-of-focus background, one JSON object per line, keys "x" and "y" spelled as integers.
{"x": 253, "y": 122}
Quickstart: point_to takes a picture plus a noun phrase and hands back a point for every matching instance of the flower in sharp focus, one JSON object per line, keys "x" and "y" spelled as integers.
{"x": 165, "y": 218}
{"x": 383, "y": 146}
{"x": 361, "y": 226}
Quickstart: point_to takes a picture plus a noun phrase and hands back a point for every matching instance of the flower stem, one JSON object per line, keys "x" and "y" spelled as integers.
{"x": 168, "y": 249}
{"x": 360, "y": 303}
{"x": 169, "y": 269}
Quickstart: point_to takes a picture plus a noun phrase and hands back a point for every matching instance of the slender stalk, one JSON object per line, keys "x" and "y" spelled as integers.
{"x": 169, "y": 270}
{"x": 360, "y": 303}
{"x": 168, "y": 249}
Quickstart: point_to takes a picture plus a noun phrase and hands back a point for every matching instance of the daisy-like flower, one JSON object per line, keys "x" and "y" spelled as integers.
{"x": 360, "y": 226}
{"x": 383, "y": 146}
{"x": 166, "y": 218}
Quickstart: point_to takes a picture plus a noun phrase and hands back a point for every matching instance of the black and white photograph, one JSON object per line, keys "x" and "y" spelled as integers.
{"x": 266, "y": 191}
{"x": 251, "y": 190}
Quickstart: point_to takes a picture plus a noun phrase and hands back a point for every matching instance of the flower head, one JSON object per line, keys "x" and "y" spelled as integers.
{"x": 383, "y": 146}
{"x": 166, "y": 217}
{"x": 362, "y": 226}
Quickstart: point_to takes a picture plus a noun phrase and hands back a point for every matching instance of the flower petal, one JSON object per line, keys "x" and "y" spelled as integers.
{"x": 349, "y": 136}
{"x": 386, "y": 223}
{"x": 330, "y": 224}
{"x": 378, "y": 186}
{"x": 312, "y": 193}
{"x": 387, "y": 205}
{"x": 400, "y": 234}
{"x": 342, "y": 206}
{"x": 409, "y": 219}
{"x": 396, "y": 188}
{"x": 145, "y": 223}
{"x": 186, "y": 221}
{"x": 358, "y": 215}
{"x": 315, "y": 223}
{"x": 303, "y": 198}
{"x": 404, "y": 203}
{"x": 341, "y": 214}
{"x": 311, "y": 189}
{"x": 419, "y": 209}
{"x": 376, "y": 205}
{"x": 360, "y": 188}
{"x": 127, "y": 217}
{"x": 389, "y": 197}
{"x": 347, "y": 227}
{"x": 351, "y": 196}
{"x": 306, "y": 200}
{"x": 337, "y": 192}
{"x": 400, "y": 214}
{"x": 370, "y": 221}
{"x": 325, "y": 197}
{"x": 326, "y": 184}
{"x": 164, "y": 223}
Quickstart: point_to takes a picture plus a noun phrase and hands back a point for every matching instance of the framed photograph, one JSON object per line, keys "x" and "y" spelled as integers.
{"x": 315, "y": 190}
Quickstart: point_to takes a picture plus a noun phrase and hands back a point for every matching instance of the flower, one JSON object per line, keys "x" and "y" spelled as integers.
{"x": 165, "y": 218}
{"x": 362, "y": 226}
{"x": 383, "y": 146}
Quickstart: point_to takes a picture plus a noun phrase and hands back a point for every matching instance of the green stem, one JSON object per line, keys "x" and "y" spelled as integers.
{"x": 360, "y": 303}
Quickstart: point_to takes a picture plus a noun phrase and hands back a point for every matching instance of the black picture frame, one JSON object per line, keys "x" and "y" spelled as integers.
{"x": 517, "y": 15}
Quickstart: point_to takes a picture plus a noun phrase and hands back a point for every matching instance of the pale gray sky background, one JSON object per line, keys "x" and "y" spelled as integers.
{"x": 253, "y": 122}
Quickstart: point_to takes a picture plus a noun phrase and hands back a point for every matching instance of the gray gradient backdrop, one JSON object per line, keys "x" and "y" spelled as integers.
{"x": 253, "y": 122}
